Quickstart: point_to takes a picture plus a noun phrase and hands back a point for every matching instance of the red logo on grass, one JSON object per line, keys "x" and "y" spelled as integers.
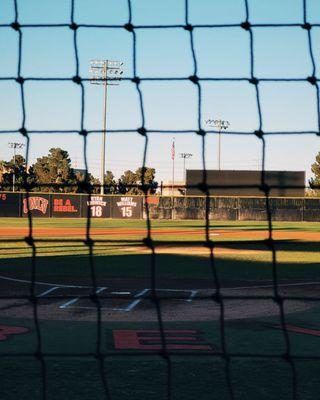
{"x": 148, "y": 339}
{"x": 6, "y": 331}
{"x": 35, "y": 203}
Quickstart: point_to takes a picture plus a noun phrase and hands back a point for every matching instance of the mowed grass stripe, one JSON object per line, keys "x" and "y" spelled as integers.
{"x": 181, "y": 224}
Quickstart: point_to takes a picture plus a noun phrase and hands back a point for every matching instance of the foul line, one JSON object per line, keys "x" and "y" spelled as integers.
{"x": 6, "y": 278}
{"x": 57, "y": 285}
{"x": 271, "y": 286}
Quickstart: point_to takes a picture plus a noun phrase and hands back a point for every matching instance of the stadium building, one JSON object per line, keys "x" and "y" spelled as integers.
{"x": 247, "y": 183}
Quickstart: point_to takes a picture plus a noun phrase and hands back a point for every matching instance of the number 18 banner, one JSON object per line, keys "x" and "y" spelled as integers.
{"x": 96, "y": 206}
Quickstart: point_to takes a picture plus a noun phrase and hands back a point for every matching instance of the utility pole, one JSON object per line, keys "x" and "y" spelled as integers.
{"x": 185, "y": 156}
{"x": 105, "y": 73}
{"x": 14, "y": 146}
{"x": 173, "y": 156}
{"x": 220, "y": 125}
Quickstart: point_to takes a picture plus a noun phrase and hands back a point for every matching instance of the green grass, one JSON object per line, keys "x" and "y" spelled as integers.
{"x": 123, "y": 256}
{"x": 146, "y": 377}
{"x": 242, "y": 268}
{"x": 130, "y": 224}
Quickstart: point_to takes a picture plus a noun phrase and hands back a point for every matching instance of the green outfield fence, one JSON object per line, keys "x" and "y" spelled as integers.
{"x": 58, "y": 205}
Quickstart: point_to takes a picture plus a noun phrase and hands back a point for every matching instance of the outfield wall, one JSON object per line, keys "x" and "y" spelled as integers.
{"x": 235, "y": 208}
{"x": 56, "y": 205}
{"x": 60, "y": 205}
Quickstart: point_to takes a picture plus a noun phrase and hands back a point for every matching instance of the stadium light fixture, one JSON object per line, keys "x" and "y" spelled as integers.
{"x": 185, "y": 156}
{"x": 105, "y": 73}
{"x": 220, "y": 124}
{"x": 14, "y": 146}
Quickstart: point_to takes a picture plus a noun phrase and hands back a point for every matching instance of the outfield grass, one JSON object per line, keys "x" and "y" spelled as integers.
{"x": 125, "y": 256}
{"x": 138, "y": 223}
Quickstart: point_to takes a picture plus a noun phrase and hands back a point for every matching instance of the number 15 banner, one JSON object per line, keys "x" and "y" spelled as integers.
{"x": 126, "y": 207}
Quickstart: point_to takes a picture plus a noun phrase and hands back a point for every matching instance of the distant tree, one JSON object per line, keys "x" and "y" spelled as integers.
{"x": 55, "y": 168}
{"x": 314, "y": 182}
{"x": 5, "y": 175}
{"x": 145, "y": 176}
{"x": 110, "y": 183}
{"x": 128, "y": 183}
{"x": 13, "y": 170}
{"x": 93, "y": 183}
{"x": 53, "y": 173}
{"x": 19, "y": 168}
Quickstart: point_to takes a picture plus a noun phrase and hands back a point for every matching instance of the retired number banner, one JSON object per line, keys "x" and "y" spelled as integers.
{"x": 126, "y": 207}
{"x": 96, "y": 206}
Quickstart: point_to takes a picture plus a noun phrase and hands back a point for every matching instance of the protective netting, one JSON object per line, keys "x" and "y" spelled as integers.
{"x": 218, "y": 297}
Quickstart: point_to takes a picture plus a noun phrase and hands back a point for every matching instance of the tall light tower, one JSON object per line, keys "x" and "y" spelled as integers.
{"x": 14, "y": 146}
{"x": 220, "y": 125}
{"x": 185, "y": 156}
{"x": 105, "y": 73}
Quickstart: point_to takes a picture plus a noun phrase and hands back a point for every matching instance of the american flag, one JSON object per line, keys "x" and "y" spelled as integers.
{"x": 173, "y": 151}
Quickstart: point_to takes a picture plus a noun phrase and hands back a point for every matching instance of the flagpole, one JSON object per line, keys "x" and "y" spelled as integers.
{"x": 173, "y": 157}
{"x": 173, "y": 154}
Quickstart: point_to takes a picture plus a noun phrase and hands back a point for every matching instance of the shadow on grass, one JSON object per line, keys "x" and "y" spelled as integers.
{"x": 148, "y": 377}
{"x": 152, "y": 374}
{"x": 169, "y": 269}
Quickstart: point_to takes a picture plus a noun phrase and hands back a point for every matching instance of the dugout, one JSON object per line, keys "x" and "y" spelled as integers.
{"x": 246, "y": 183}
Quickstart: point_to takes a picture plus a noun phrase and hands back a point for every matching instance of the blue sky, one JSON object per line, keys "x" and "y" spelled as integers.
{"x": 168, "y": 105}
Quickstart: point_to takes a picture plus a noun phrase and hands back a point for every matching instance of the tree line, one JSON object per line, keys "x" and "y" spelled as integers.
{"x": 53, "y": 173}
{"x": 314, "y": 182}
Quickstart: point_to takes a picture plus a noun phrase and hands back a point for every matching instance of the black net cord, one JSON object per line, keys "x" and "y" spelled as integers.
{"x": 137, "y": 80}
{"x": 148, "y": 240}
{"x": 89, "y": 240}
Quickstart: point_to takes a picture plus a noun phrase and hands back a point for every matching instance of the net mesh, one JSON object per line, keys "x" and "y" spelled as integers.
{"x": 101, "y": 356}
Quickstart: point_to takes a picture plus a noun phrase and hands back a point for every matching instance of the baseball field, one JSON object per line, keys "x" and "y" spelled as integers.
{"x": 171, "y": 310}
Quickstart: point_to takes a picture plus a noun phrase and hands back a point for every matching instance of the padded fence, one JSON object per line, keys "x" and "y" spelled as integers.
{"x": 70, "y": 206}
{"x": 167, "y": 208}
{"x": 236, "y": 208}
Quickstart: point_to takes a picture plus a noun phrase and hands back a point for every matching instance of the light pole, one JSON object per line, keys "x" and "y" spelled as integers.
{"x": 220, "y": 125}
{"x": 105, "y": 72}
{"x": 184, "y": 156}
{"x": 14, "y": 146}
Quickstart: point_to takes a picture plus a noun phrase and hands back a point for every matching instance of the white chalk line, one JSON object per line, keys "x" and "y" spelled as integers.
{"x": 6, "y": 278}
{"x": 138, "y": 297}
{"x": 48, "y": 291}
{"x": 271, "y": 286}
{"x": 69, "y": 303}
{"x": 73, "y": 301}
{"x": 134, "y": 303}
